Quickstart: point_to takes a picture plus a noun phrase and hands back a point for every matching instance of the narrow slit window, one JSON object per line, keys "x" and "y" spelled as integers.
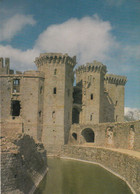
{"x": 54, "y": 90}
{"x": 55, "y": 71}
{"x": 91, "y": 117}
{"x": 91, "y": 96}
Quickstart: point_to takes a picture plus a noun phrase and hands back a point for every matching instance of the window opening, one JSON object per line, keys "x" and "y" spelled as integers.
{"x": 16, "y": 84}
{"x": 91, "y": 96}
{"x": 91, "y": 117}
{"x": 74, "y": 135}
{"x": 40, "y": 113}
{"x": 55, "y": 71}
{"x": 15, "y": 108}
{"x": 53, "y": 114}
{"x": 54, "y": 90}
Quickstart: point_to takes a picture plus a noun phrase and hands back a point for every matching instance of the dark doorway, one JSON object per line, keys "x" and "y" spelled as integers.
{"x": 75, "y": 116}
{"x": 74, "y": 135}
{"x": 15, "y": 108}
{"x": 88, "y": 135}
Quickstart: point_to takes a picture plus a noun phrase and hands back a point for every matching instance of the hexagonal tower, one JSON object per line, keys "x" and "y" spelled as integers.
{"x": 90, "y": 78}
{"x": 58, "y": 90}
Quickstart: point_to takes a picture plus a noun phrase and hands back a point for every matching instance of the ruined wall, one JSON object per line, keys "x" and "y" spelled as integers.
{"x": 4, "y": 66}
{"x": 5, "y": 97}
{"x": 125, "y": 165}
{"x": 32, "y": 85}
{"x": 116, "y": 135}
{"x": 23, "y": 162}
{"x": 25, "y": 89}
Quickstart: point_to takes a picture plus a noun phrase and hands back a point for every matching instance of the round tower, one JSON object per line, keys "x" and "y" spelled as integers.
{"x": 58, "y": 90}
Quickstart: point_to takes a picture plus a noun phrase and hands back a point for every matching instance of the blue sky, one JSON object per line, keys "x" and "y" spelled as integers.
{"x": 107, "y": 31}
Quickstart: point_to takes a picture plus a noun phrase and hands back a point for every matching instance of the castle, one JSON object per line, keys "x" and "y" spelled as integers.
{"x": 47, "y": 104}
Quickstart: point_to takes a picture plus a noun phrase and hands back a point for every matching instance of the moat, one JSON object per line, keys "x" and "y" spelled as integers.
{"x": 75, "y": 177}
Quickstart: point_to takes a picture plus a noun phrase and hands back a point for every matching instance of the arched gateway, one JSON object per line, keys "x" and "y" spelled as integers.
{"x": 88, "y": 135}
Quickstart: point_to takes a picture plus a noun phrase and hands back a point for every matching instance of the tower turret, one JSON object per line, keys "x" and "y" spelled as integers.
{"x": 114, "y": 98}
{"x": 58, "y": 90}
{"x": 90, "y": 78}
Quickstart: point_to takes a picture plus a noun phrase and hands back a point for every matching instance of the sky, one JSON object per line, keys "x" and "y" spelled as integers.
{"x": 104, "y": 30}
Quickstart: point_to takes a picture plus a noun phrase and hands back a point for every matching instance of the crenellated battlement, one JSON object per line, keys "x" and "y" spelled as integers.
{"x": 93, "y": 67}
{"x": 116, "y": 79}
{"x": 55, "y": 58}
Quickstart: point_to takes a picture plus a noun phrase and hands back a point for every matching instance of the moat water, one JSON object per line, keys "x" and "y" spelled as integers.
{"x": 75, "y": 177}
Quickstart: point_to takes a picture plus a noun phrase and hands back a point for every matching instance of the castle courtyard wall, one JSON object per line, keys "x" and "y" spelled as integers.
{"x": 124, "y": 135}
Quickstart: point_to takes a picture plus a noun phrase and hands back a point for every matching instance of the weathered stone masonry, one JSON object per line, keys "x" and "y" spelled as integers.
{"x": 23, "y": 163}
{"x": 113, "y": 135}
{"x": 47, "y": 104}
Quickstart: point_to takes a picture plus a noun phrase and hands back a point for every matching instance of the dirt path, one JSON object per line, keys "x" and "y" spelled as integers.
{"x": 124, "y": 151}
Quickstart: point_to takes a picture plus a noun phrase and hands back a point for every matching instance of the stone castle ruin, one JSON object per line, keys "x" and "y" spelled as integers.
{"x": 43, "y": 109}
{"x": 46, "y": 105}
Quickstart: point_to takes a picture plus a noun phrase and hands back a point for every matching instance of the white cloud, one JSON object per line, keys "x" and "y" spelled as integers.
{"x": 11, "y": 26}
{"x": 21, "y": 60}
{"x": 132, "y": 113}
{"x": 88, "y": 38}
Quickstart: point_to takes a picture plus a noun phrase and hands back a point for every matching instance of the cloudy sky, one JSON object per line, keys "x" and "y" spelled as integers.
{"x": 103, "y": 30}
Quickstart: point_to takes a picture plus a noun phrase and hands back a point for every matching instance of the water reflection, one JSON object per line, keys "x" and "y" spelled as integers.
{"x": 74, "y": 177}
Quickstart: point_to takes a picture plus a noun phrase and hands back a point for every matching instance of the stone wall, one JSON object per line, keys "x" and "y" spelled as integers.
{"x": 29, "y": 93}
{"x": 23, "y": 164}
{"x": 116, "y": 135}
{"x": 125, "y": 166}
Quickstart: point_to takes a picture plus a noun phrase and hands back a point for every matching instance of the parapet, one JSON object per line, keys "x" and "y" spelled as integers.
{"x": 32, "y": 73}
{"x": 54, "y": 58}
{"x": 93, "y": 67}
{"x": 116, "y": 79}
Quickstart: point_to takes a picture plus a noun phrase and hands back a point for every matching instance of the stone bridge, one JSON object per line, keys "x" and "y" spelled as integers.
{"x": 115, "y": 135}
